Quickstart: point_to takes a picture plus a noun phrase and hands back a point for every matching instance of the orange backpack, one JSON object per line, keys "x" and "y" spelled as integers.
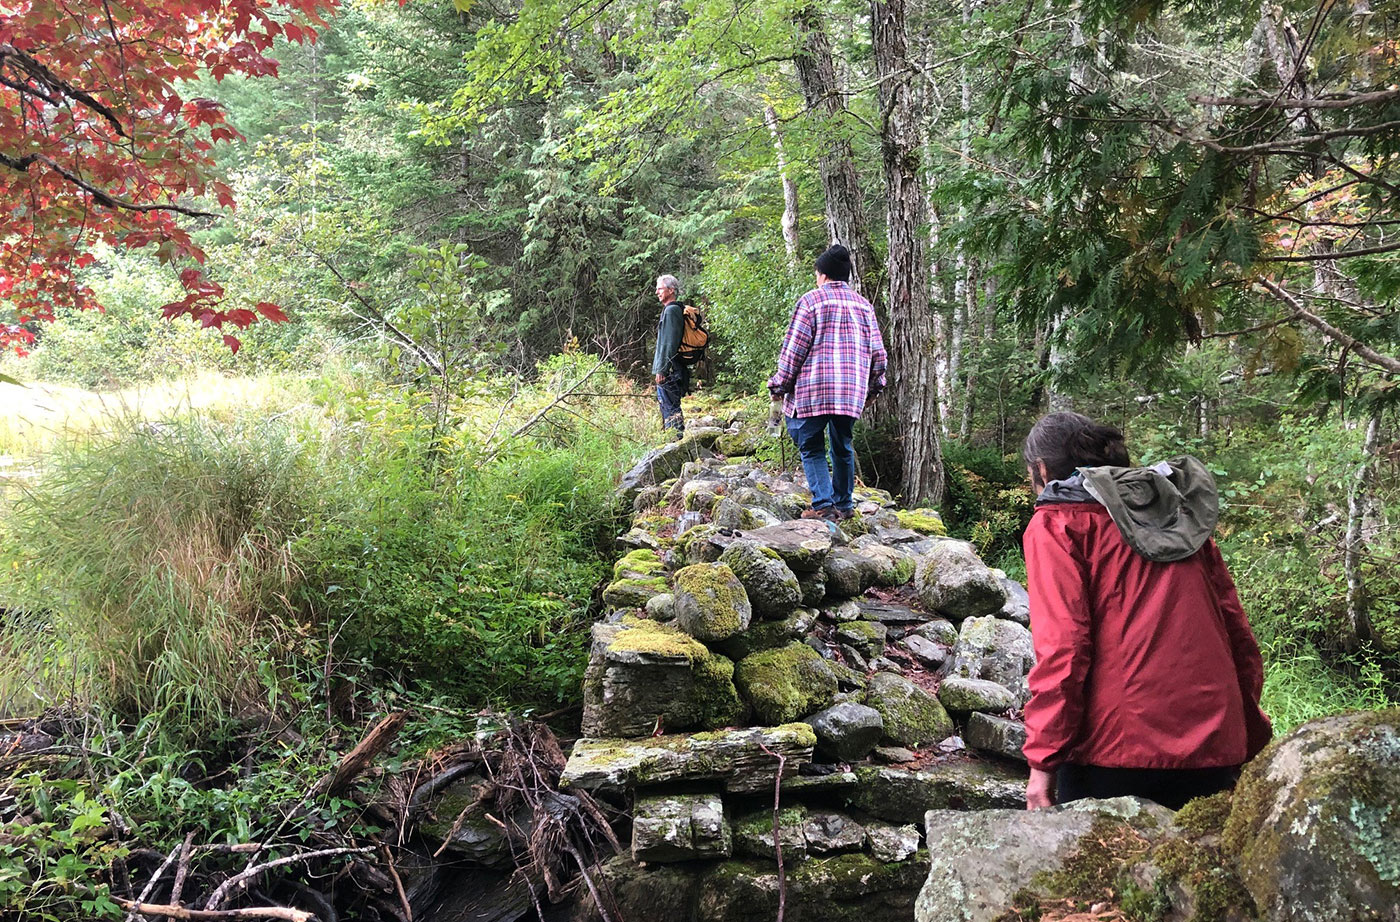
{"x": 694, "y": 337}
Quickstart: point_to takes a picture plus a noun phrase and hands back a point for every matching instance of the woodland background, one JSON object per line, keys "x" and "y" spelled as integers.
{"x": 1178, "y": 217}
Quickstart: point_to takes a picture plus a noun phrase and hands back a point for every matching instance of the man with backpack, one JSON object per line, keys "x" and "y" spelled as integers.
{"x": 832, "y": 361}
{"x": 680, "y": 343}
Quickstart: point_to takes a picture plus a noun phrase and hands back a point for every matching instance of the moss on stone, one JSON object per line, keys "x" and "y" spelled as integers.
{"x": 924, "y": 521}
{"x": 723, "y": 600}
{"x": 1205, "y": 816}
{"x": 715, "y": 695}
{"x": 902, "y": 572}
{"x": 784, "y": 684}
{"x": 1199, "y": 868}
{"x": 632, "y": 592}
{"x": 640, "y": 563}
{"x": 912, "y": 716}
{"x": 640, "y": 635}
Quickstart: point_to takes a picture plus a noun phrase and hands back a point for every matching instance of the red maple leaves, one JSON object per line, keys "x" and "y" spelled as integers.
{"x": 98, "y": 145}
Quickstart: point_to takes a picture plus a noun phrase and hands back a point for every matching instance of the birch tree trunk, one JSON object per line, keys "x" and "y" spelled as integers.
{"x": 770, "y": 118}
{"x": 845, "y": 207}
{"x": 910, "y": 330}
{"x": 1359, "y": 500}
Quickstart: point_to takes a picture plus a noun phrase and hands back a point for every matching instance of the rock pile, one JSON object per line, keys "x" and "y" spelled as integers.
{"x": 744, "y": 648}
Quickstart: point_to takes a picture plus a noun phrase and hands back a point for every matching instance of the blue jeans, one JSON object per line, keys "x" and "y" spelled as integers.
{"x": 669, "y": 393}
{"x": 829, "y": 487}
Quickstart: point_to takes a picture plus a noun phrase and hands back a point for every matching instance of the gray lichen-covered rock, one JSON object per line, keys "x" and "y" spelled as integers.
{"x": 997, "y": 650}
{"x": 952, "y": 579}
{"x": 696, "y": 546}
{"x": 892, "y": 843}
{"x": 1018, "y": 602}
{"x": 926, "y": 651}
{"x": 847, "y": 731}
{"x": 680, "y": 827}
{"x": 981, "y": 860}
{"x": 912, "y": 716}
{"x": 851, "y": 887}
{"x": 813, "y": 588}
{"x": 996, "y": 735}
{"x": 661, "y": 464}
{"x": 784, "y": 684}
{"x": 846, "y": 574}
{"x": 642, "y": 674}
{"x": 939, "y": 630}
{"x": 711, "y": 603}
{"x": 661, "y": 607}
{"x": 962, "y": 696}
{"x": 803, "y": 543}
{"x": 770, "y": 584}
{"x": 866, "y": 636}
{"x": 743, "y": 760}
{"x": 902, "y": 796}
{"x": 1315, "y": 821}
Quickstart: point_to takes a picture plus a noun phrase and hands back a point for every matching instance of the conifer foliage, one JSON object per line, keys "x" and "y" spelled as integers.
{"x": 99, "y": 144}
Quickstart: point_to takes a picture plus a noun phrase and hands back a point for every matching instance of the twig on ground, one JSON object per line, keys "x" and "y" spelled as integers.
{"x": 777, "y": 829}
{"x": 180, "y": 912}
{"x": 160, "y": 871}
{"x": 358, "y": 759}
{"x": 182, "y": 871}
{"x": 398, "y": 883}
{"x": 242, "y": 878}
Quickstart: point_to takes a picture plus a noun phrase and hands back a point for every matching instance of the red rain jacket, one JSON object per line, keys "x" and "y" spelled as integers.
{"x": 1138, "y": 664}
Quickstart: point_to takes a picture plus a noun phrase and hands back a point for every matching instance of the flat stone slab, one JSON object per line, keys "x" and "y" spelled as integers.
{"x": 734, "y": 757}
{"x": 890, "y": 613}
{"x": 900, "y": 796}
{"x": 802, "y": 543}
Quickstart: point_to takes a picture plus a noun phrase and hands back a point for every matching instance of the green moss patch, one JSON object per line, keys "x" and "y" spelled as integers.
{"x": 924, "y": 521}
{"x": 785, "y": 684}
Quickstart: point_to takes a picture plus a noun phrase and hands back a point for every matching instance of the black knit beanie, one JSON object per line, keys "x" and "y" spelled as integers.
{"x": 835, "y": 263}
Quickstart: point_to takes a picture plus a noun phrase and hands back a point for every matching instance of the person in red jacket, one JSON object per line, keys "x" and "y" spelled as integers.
{"x": 1147, "y": 676}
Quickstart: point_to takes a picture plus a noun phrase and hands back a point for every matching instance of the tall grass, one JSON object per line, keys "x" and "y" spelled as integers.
{"x": 221, "y": 564}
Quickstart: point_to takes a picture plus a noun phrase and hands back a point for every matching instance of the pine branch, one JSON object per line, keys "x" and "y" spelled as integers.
{"x": 1340, "y": 102}
{"x": 1380, "y": 360}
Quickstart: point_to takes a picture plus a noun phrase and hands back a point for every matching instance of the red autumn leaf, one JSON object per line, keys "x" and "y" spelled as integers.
{"x": 119, "y": 121}
{"x": 232, "y": 343}
{"x": 271, "y": 312}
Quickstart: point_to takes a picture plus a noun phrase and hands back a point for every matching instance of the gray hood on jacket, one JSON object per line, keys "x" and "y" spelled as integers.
{"x": 1165, "y": 512}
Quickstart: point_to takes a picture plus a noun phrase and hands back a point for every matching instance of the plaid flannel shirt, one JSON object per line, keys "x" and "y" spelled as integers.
{"x": 831, "y": 356}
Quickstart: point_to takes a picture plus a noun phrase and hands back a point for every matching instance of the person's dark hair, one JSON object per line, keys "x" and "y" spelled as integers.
{"x": 1065, "y": 441}
{"x": 835, "y": 263}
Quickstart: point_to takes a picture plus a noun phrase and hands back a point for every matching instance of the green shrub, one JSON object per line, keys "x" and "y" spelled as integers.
{"x": 751, "y": 299}
{"x": 989, "y": 502}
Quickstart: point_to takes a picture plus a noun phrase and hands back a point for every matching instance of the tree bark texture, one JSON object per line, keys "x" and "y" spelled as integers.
{"x": 1359, "y": 500}
{"x": 790, "y": 240}
{"x": 910, "y": 331}
{"x": 845, "y": 207}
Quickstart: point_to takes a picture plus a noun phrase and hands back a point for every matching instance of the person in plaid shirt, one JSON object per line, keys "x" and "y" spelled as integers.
{"x": 831, "y": 362}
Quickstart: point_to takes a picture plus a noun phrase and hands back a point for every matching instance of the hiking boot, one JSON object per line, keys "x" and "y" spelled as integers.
{"x": 826, "y": 514}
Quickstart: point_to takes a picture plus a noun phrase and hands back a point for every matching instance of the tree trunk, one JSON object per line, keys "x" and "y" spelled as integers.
{"x": 845, "y": 208}
{"x": 1359, "y": 500}
{"x": 790, "y": 241}
{"x": 910, "y": 327}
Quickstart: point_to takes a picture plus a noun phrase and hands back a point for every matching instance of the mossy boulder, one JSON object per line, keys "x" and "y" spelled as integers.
{"x": 740, "y": 760}
{"x": 963, "y": 696}
{"x": 803, "y": 832}
{"x": 847, "y": 731}
{"x": 884, "y": 565}
{"x": 953, "y": 580}
{"x": 996, "y": 735}
{"x": 642, "y": 674}
{"x": 923, "y": 521}
{"x": 695, "y": 545}
{"x": 768, "y": 635}
{"x": 711, "y": 603}
{"x": 912, "y": 716}
{"x": 636, "y": 578}
{"x": 770, "y": 584}
{"x": 785, "y": 684}
{"x": 1315, "y": 821}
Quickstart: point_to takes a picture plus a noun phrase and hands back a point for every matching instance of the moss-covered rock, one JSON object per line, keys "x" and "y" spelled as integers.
{"x": 912, "y": 716}
{"x": 680, "y": 827}
{"x": 695, "y": 546}
{"x": 853, "y": 887}
{"x": 866, "y": 636}
{"x": 924, "y": 521}
{"x": 711, "y": 603}
{"x": 633, "y": 592}
{"x": 768, "y": 635}
{"x": 770, "y": 584}
{"x": 846, "y": 574}
{"x": 963, "y": 696}
{"x": 884, "y": 565}
{"x": 997, "y": 650}
{"x": 803, "y": 832}
{"x": 642, "y": 674}
{"x": 785, "y": 684}
{"x": 899, "y": 795}
{"x": 1315, "y": 822}
{"x": 953, "y": 580}
{"x": 803, "y": 544}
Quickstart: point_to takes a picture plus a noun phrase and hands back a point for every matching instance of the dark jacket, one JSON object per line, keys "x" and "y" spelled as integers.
{"x": 1139, "y": 663}
{"x": 669, "y": 330}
